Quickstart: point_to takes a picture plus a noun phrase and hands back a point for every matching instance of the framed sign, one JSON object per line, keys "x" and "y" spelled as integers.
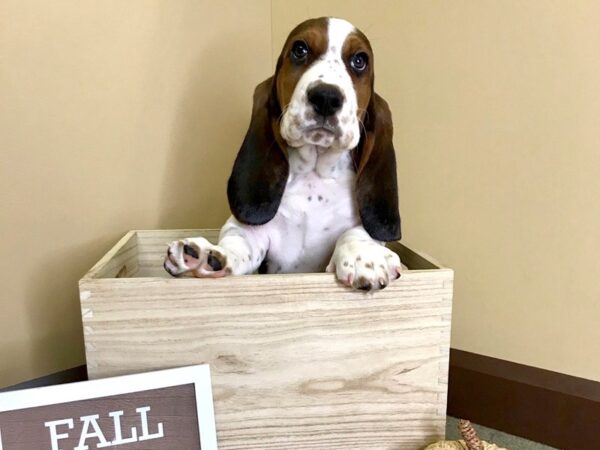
{"x": 164, "y": 410}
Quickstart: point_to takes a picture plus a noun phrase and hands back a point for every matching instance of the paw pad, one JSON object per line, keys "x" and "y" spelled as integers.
{"x": 365, "y": 265}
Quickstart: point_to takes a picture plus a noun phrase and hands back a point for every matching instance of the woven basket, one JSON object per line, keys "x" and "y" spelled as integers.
{"x": 460, "y": 445}
{"x": 470, "y": 440}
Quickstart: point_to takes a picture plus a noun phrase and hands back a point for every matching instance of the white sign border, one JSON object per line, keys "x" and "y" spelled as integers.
{"x": 85, "y": 390}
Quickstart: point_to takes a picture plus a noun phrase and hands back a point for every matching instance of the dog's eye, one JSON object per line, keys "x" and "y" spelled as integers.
{"x": 359, "y": 61}
{"x": 299, "y": 51}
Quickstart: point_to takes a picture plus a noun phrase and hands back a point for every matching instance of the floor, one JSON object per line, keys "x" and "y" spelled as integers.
{"x": 507, "y": 441}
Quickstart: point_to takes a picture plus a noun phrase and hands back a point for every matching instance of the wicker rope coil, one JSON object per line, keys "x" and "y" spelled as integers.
{"x": 470, "y": 440}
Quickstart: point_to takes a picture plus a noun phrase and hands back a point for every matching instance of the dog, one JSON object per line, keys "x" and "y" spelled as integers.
{"x": 314, "y": 184}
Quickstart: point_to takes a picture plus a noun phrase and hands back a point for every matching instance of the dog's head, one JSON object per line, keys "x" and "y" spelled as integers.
{"x": 324, "y": 81}
{"x": 321, "y": 94}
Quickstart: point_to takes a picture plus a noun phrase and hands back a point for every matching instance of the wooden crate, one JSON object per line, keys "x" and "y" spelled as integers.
{"x": 297, "y": 360}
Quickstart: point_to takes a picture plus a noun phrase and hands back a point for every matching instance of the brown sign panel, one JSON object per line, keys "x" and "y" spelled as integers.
{"x": 165, "y": 410}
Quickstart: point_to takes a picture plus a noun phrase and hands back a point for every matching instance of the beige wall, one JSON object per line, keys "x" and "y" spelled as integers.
{"x": 108, "y": 115}
{"x": 114, "y": 115}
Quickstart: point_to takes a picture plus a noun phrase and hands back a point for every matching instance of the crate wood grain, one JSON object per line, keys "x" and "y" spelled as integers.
{"x": 297, "y": 360}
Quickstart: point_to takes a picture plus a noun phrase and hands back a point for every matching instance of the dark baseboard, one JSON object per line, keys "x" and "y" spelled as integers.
{"x": 78, "y": 373}
{"x": 544, "y": 406}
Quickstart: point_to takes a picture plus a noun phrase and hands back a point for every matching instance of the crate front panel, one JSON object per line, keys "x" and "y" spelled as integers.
{"x": 297, "y": 361}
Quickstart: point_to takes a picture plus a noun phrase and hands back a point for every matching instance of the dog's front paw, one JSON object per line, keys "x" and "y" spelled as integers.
{"x": 197, "y": 257}
{"x": 365, "y": 265}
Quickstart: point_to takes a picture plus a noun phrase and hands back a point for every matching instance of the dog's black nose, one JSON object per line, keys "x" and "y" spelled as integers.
{"x": 326, "y": 99}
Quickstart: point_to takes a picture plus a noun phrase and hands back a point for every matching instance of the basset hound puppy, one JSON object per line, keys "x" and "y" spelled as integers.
{"x": 313, "y": 186}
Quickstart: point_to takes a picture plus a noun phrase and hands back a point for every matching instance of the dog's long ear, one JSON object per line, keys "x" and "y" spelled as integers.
{"x": 261, "y": 168}
{"x": 376, "y": 184}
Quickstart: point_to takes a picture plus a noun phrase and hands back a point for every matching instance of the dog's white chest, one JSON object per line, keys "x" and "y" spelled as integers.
{"x": 318, "y": 205}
